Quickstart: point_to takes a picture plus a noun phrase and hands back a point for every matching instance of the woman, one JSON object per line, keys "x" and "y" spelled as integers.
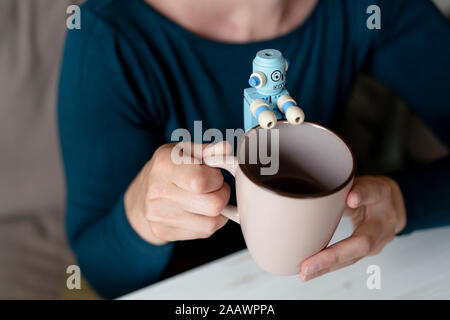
{"x": 138, "y": 69}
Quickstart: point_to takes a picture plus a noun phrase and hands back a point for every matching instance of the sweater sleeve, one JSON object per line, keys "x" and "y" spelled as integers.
{"x": 108, "y": 131}
{"x": 411, "y": 55}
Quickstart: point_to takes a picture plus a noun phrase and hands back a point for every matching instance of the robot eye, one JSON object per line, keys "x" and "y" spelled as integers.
{"x": 276, "y": 75}
{"x": 257, "y": 80}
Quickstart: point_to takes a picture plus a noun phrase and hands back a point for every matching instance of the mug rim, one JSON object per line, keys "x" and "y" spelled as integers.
{"x": 296, "y": 195}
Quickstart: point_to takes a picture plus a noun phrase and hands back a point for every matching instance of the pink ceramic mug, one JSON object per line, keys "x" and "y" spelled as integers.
{"x": 283, "y": 229}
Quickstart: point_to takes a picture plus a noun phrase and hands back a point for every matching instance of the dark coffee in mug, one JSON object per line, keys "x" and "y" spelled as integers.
{"x": 294, "y": 185}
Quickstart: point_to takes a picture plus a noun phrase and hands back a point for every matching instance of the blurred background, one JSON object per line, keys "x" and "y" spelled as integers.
{"x": 34, "y": 254}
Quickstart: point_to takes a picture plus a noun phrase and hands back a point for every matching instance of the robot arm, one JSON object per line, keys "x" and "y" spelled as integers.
{"x": 261, "y": 110}
{"x": 289, "y": 107}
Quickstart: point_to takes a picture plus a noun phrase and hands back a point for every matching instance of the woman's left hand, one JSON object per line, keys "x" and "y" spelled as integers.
{"x": 376, "y": 207}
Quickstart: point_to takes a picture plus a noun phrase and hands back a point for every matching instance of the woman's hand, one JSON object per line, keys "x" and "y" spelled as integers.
{"x": 376, "y": 207}
{"x": 169, "y": 201}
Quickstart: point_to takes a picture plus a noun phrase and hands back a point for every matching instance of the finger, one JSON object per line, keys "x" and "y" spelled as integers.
{"x": 305, "y": 278}
{"x": 220, "y": 148}
{"x": 354, "y": 247}
{"x": 357, "y": 215}
{"x": 191, "y": 150}
{"x": 349, "y": 212}
{"x": 197, "y": 178}
{"x": 378, "y": 231}
{"x": 204, "y": 226}
{"x": 209, "y": 204}
{"x": 168, "y": 233}
{"x": 366, "y": 191}
{"x": 196, "y": 151}
{"x": 381, "y": 244}
{"x": 166, "y": 212}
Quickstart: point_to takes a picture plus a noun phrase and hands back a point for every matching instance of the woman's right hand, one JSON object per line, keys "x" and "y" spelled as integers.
{"x": 169, "y": 202}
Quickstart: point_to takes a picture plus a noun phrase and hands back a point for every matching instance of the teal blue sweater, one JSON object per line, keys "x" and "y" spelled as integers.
{"x": 130, "y": 77}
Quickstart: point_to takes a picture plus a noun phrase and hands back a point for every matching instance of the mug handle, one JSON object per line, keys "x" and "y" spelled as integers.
{"x": 230, "y": 164}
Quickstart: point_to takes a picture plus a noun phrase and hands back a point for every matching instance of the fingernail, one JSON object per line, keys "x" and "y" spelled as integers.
{"x": 312, "y": 269}
{"x": 209, "y": 151}
{"x": 310, "y": 272}
{"x": 356, "y": 198}
{"x": 302, "y": 277}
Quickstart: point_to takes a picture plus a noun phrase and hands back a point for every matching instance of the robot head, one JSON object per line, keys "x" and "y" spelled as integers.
{"x": 269, "y": 72}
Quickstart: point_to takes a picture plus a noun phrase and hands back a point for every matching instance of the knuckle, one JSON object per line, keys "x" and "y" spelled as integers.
{"x": 155, "y": 191}
{"x": 389, "y": 238}
{"x": 210, "y": 228}
{"x": 149, "y": 209}
{"x": 159, "y": 156}
{"x": 383, "y": 188}
{"x": 333, "y": 258}
{"x": 153, "y": 212}
{"x": 204, "y": 233}
{"x": 148, "y": 214}
{"x": 391, "y": 217}
{"x": 199, "y": 183}
{"x": 226, "y": 190}
{"x": 216, "y": 176}
{"x": 361, "y": 189}
{"x": 375, "y": 252}
{"x": 159, "y": 232}
{"x": 217, "y": 203}
{"x": 365, "y": 245}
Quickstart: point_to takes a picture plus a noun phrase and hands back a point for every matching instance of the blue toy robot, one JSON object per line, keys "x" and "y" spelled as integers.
{"x": 268, "y": 99}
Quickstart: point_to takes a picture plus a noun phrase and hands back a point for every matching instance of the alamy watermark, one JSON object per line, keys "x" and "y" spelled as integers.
{"x": 74, "y": 279}
{"x": 374, "y": 280}
{"x": 261, "y": 148}
{"x": 374, "y": 20}
{"x": 74, "y": 20}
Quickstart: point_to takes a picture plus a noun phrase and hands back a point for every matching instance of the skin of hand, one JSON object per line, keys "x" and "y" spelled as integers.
{"x": 170, "y": 202}
{"x": 375, "y": 204}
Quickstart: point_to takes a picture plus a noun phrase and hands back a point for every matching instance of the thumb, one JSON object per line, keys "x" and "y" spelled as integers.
{"x": 365, "y": 192}
{"x": 220, "y": 148}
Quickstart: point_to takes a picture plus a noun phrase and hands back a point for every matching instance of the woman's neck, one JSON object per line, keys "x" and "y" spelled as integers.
{"x": 236, "y": 21}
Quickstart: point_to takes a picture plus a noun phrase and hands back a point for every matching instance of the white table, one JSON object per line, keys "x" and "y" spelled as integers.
{"x": 416, "y": 266}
